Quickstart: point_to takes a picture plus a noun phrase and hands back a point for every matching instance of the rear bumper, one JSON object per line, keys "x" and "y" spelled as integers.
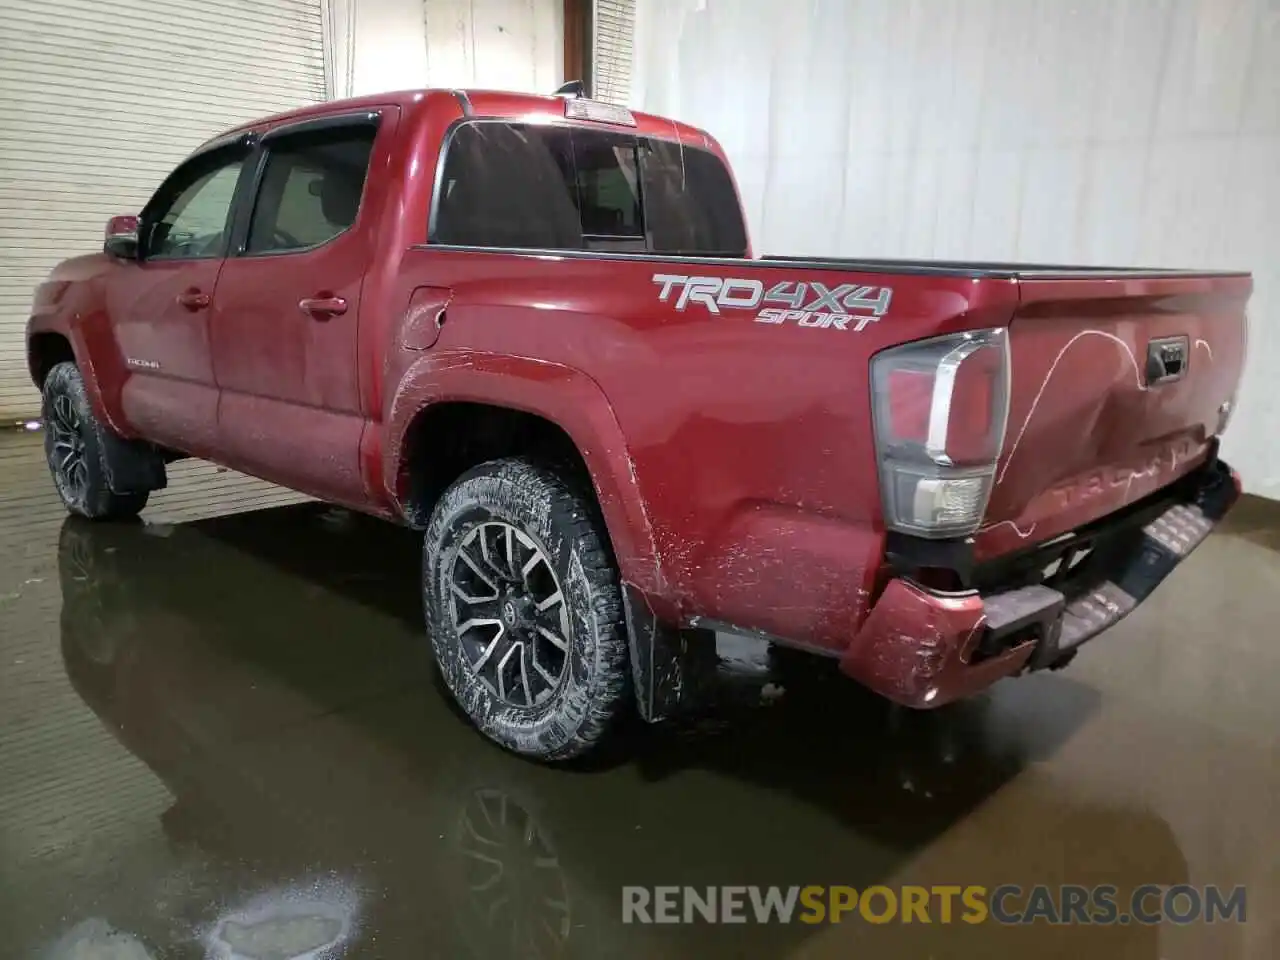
{"x": 923, "y": 649}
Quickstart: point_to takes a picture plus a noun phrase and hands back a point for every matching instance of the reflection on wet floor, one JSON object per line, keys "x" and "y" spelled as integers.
{"x": 220, "y": 735}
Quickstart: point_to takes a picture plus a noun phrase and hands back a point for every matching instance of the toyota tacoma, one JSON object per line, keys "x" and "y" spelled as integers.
{"x": 534, "y": 328}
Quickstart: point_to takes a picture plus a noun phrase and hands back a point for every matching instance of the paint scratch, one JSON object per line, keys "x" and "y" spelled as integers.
{"x": 1016, "y": 529}
{"x": 1137, "y": 376}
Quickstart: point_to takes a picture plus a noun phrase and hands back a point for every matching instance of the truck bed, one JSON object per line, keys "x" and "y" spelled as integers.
{"x": 1086, "y": 435}
{"x": 998, "y": 270}
{"x": 976, "y": 269}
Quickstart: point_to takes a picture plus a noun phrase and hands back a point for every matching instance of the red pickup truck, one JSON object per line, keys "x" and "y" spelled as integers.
{"x": 534, "y": 328}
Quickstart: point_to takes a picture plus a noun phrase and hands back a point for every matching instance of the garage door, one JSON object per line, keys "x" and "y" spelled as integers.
{"x": 100, "y": 98}
{"x": 615, "y": 27}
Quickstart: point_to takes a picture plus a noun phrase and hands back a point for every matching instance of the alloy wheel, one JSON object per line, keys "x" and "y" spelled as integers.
{"x": 509, "y": 613}
{"x": 67, "y": 451}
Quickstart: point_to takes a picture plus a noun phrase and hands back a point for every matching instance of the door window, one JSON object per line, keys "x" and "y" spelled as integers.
{"x": 190, "y": 215}
{"x": 311, "y": 188}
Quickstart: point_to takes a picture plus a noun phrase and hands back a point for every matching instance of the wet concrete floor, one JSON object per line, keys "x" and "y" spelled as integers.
{"x": 220, "y": 736}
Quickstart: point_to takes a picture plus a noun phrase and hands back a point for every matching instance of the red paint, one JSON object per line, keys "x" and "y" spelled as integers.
{"x": 1098, "y": 437}
{"x": 149, "y": 307}
{"x": 126, "y": 225}
{"x": 424, "y": 318}
{"x": 916, "y": 648}
{"x": 734, "y": 461}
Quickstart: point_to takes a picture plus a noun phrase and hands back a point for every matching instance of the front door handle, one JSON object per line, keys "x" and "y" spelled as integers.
{"x": 193, "y": 299}
{"x": 322, "y": 308}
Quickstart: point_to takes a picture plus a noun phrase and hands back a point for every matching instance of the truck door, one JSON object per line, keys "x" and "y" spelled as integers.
{"x": 160, "y": 305}
{"x": 284, "y": 328}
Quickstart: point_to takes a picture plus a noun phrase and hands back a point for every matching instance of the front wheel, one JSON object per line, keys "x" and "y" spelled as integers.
{"x": 524, "y": 610}
{"x": 77, "y": 451}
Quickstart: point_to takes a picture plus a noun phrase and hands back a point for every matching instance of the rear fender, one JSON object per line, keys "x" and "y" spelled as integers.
{"x": 556, "y": 392}
{"x": 572, "y": 400}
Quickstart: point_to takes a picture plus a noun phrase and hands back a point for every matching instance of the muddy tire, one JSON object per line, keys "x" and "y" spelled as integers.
{"x": 524, "y": 610}
{"x": 76, "y": 446}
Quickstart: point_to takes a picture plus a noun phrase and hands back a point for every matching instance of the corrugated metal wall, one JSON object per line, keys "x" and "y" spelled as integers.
{"x": 611, "y": 49}
{"x": 98, "y": 101}
{"x": 1095, "y": 131}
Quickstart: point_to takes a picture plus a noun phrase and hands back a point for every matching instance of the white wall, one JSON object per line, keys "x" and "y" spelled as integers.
{"x": 382, "y": 45}
{"x": 1130, "y": 132}
{"x": 500, "y": 44}
{"x": 378, "y": 46}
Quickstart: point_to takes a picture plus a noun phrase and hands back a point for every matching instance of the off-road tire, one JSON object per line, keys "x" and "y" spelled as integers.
{"x": 594, "y": 688}
{"x": 68, "y": 414}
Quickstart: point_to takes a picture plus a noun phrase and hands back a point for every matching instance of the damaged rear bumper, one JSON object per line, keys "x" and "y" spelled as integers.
{"x": 924, "y": 648}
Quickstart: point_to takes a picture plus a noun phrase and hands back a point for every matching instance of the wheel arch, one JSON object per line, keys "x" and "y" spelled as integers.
{"x": 89, "y": 342}
{"x": 448, "y": 437}
{"x": 568, "y": 405}
{"x": 45, "y": 350}
{"x": 446, "y": 416}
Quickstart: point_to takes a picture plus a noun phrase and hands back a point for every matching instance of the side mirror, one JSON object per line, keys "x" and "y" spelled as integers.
{"x": 121, "y": 238}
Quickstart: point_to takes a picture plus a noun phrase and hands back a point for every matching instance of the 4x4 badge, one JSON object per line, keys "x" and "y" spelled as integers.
{"x": 807, "y": 303}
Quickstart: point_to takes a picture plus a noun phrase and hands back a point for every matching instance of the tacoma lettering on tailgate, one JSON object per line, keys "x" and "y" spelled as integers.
{"x": 1086, "y": 487}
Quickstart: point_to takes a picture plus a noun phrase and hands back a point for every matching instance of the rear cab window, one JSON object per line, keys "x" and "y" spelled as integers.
{"x": 527, "y": 186}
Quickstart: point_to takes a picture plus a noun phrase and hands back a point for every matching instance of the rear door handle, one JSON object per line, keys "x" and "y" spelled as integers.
{"x": 193, "y": 299}
{"x": 321, "y": 308}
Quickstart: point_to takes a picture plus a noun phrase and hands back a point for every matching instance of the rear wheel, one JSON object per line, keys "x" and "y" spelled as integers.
{"x": 75, "y": 446}
{"x": 524, "y": 610}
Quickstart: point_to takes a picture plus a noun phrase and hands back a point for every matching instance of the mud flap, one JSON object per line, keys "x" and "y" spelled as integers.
{"x": 131, "y": 466}
{"x": 660, "y": 656}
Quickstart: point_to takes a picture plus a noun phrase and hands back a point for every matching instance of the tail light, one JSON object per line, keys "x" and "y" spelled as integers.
{"x": 940, "y": 410}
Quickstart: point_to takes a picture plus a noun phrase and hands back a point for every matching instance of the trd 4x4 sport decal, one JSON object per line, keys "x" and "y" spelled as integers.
{"x": 808, "y": 304}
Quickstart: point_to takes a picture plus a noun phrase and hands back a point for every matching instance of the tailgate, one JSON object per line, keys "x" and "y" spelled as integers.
{"x": 1119, "y": 383}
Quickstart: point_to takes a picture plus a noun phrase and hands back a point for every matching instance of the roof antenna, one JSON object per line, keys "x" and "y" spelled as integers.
{"x": 574, "y": 88}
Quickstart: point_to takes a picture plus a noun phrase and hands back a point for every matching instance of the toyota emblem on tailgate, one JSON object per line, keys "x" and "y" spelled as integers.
{"x": 1166, "y": 359}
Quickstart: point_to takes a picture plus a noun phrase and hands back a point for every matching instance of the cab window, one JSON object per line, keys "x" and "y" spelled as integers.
{"x": 189, "y": 217}
{"x": 550, "y": 186}
{"x": 311, "y": 188}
